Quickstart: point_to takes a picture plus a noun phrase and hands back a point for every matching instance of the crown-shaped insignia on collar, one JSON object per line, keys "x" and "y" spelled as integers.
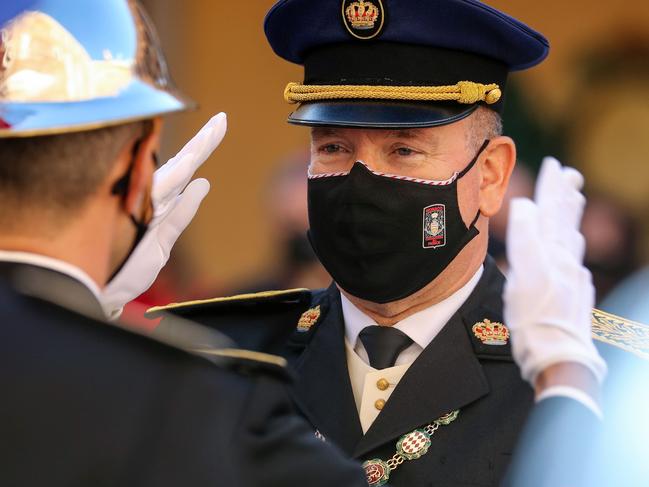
{"x": 491, "y": 333}
{"x": 308, "y": 319}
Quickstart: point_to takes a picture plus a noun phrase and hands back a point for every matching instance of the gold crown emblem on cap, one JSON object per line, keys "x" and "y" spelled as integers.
{"x": 362, "y": 15}
{"x": 491, "y": 333}
{"x": 308, "y": 319}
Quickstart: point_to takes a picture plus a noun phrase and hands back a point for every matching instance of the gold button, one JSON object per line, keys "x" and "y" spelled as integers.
{"x": 379, "y": 404}
{"x": 493, "y": 96}
{"x": 382, "y": 384}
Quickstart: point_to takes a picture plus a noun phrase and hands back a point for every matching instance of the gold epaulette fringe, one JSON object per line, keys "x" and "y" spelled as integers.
{"x": 239, "y": 353}
{"x": 622, "y": 333}
{"x": 466, "y": 92}
{"x": 238, "y": 297}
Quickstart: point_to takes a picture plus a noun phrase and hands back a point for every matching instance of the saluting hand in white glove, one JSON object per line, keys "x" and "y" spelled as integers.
{"x": 549, "y": 294}
{"x": 174, "y": 209}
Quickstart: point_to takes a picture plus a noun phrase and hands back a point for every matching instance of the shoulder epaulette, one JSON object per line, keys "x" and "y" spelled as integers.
{"x": 242, "y": 355}
{"x": 288, "y": 296}
{"x": 627, "y": 335}
{"x": 249, "y": 360}
{"x": 209, "y": 344}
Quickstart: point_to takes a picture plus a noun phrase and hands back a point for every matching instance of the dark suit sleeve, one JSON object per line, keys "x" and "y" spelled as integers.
{"x": 279, "y": 449}
{"x": 556, "y": 447}
{"x": 219, "y": 427}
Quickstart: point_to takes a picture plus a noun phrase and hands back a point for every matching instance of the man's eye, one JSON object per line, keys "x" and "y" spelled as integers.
{"x": 404, "y": 151}
{"x": 331, "y": 148}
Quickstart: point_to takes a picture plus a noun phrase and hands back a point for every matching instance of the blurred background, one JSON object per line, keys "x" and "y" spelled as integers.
{"x": 587, "y": 104}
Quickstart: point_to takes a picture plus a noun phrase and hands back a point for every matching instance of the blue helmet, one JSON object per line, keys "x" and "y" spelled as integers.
{"x": 74, "y": 66}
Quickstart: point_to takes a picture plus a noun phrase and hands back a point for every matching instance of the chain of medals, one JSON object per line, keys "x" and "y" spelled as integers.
{"x": 410, "y": 446}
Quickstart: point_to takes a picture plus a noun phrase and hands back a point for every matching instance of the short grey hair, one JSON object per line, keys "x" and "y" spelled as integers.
{"x": 485, "y": 124}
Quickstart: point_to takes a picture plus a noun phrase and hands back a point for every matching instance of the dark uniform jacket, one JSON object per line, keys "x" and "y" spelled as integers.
{"x": 457, "y": 371}
{"x": 85, "y": 403}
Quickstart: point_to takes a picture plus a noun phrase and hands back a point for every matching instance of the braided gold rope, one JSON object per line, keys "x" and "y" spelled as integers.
{"x": 466, "y": 92}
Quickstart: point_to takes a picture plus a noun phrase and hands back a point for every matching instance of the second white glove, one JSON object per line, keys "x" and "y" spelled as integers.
{"x": 549, "y": 294}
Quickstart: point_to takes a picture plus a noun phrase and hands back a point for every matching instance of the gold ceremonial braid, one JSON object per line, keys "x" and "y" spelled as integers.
{"x": 622, "y": 333}
{"x": 466, "y": 92}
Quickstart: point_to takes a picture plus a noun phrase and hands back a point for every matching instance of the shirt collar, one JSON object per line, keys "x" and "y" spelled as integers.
{"x": 53, "y": 264}
{"x": 422, "y": 327}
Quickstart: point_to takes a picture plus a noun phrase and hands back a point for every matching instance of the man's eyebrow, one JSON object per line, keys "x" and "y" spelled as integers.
{"x": 411, "y": 134}
{"x": 321, "y": 132}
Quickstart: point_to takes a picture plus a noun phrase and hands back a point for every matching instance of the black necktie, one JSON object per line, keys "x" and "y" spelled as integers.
{"x": 383, "y": 344}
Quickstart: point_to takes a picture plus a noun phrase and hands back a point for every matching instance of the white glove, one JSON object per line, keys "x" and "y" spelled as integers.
{"x": 549, "y": 294}
{"x": 174, "y": 209}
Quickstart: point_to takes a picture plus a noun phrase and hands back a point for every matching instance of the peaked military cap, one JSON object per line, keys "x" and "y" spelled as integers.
{"x": 398, "y": 63}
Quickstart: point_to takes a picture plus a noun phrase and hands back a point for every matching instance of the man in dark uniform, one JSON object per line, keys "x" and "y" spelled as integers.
{"x": 404, "y": 362}
{"x": 85, "y": 402}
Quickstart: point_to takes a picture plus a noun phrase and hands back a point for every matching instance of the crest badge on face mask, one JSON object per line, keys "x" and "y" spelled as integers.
{"x": 434, "y": 226}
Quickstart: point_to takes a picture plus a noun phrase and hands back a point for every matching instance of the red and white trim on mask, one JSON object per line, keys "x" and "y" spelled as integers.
{"x": 430, "y": 182}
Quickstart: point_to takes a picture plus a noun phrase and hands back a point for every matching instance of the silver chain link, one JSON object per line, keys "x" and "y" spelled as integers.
{"x": 431, "y": 428}
{"x": 395, "y": 461}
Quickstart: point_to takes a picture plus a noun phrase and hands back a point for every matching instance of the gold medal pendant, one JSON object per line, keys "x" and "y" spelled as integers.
{"x": 377, "y": 472}
{"x": 414, "y": 445}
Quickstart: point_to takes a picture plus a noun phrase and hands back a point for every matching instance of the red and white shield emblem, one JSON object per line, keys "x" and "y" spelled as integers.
{"x": 434, "y": 226}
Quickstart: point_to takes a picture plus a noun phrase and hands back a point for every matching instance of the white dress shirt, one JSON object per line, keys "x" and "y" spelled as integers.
{"x": 368, "y": 383}
{"x": 422, "y": 327}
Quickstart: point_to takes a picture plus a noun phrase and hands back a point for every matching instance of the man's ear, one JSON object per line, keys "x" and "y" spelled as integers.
{"x": 141, "y": 178}
{"x": 495, "y": 170}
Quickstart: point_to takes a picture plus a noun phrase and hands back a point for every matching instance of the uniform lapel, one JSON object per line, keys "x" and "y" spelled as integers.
{"x": 323, "y": 389}
{"x": 445, "y": 377}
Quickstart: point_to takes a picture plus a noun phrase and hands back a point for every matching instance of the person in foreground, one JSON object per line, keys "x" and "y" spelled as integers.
{"x": 594, "y": 433}
{"x": 84, "y": 401}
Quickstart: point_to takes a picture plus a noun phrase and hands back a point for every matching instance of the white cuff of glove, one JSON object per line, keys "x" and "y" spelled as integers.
{"x": 538, "y": 347}
{"x": 574, "y": 394}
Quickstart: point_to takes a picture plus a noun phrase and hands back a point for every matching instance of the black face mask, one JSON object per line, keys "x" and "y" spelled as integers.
{"x": 384, "y": 237}
{"x": 120, "y": 188}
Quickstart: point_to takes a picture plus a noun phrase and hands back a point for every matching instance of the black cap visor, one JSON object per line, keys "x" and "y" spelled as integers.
{"x": 379, "y": 114}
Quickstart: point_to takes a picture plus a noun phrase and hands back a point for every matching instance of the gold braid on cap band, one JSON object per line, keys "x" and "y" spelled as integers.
{"x": 466, "y": 92}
